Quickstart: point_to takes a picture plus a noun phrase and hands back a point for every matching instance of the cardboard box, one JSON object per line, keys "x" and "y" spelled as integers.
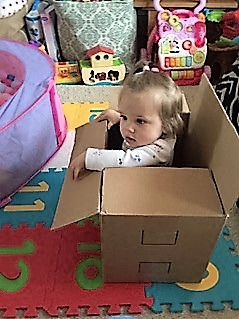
{"x": 158, "y": 223}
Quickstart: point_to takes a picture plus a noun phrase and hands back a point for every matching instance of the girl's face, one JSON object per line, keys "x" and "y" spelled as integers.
{"x": 140, "y": 123}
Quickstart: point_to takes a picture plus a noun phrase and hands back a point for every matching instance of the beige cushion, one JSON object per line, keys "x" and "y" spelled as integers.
{"x": 12, "y": 27}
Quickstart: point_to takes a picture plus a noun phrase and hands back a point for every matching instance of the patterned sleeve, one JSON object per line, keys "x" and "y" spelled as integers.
{"x": 157, "y": 154}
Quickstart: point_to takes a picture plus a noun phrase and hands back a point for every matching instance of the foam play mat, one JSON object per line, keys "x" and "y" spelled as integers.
{"x": 45, "y": 269}
{"x": 80, "y": 113}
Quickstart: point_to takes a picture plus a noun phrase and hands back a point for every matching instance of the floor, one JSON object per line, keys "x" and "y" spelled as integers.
{"x": 233, "y": 224}
{"x": 87, "y": 94}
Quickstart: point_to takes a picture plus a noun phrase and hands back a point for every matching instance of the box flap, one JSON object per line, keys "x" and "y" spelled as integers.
{"x": 212, "y": 140}
{"x": 154, "y": 191}
{"x": 81, "y": 198}
{"x": 185, "y": 107}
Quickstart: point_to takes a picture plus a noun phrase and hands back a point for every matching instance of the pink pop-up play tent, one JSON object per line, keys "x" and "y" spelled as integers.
{"x": 32, "y": 123}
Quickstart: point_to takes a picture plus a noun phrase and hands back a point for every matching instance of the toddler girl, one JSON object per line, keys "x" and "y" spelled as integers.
{"x": 149, "y": 109}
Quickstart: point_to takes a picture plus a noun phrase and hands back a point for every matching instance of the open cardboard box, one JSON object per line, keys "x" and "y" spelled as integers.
{"x": 158, "y": 223}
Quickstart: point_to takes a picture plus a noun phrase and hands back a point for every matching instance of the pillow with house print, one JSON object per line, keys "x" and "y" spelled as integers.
{"x": 84, "y": 25}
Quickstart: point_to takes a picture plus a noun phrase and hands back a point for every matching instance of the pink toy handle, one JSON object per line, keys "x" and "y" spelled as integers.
{"x": 157, "y": 6}
{"x": 199, "y": 8}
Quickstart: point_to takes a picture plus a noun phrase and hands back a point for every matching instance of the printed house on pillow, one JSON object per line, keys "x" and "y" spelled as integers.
{"x": 160, "y": 223}
{"x": 102, "y": 68}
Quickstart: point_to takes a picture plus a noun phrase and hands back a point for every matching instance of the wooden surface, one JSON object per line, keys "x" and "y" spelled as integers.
{"x": 213, "y": 4}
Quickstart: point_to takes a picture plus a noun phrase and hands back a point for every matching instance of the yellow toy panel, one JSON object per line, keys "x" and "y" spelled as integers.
{"x": 79, "y": 113}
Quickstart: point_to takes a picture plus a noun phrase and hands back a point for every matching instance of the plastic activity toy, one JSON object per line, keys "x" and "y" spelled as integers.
{"x": 102, "y": 68}
{"x": 68, "y": 72}
{"x": 178, "y": 43}
{"x": 32, "y": 123}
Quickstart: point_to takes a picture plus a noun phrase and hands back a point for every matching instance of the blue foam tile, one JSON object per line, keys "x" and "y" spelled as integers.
{"x": 225, "y": 290}
{"x": 33, "y": 207}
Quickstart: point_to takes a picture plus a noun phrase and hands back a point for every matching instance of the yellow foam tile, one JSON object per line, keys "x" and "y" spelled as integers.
{"x": 79, "y": 113}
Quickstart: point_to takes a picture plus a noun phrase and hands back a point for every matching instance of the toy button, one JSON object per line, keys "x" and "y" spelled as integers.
{"x": 198, "y": 57}
{"x": 164, "y": 15}
{"x": 192, "y": 50}
{"x": 178, "y": 27}
{"x": 189, "y": 29}
{"x": 187, "y": 44}
{"x": 173, "y": 20}
{"x": 201, "y": 17}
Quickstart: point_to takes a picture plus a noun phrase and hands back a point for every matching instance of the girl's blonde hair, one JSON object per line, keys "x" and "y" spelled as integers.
{"x": 170, "y": 101}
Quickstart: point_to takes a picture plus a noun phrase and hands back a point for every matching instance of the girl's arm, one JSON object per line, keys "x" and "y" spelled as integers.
{"x": 149, "y": 155}
{"x": 77, "y": 165}
{"x": 111, "y": 116}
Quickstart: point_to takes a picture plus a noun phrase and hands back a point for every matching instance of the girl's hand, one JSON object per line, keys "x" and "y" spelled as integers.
{"x": 111, "y": 116}
{"x": 78, "y": 165}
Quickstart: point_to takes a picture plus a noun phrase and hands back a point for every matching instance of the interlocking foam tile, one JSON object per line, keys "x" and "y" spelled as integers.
{"x": 79, "y": 276}
{"x": 45, "y": 269}
{"x": 36, "y": 202}
{"x": 224, "y": 289}
{"x": 27, "y": 264}
{"x": 79, "y": 113}
{"x": 41, "y": 268}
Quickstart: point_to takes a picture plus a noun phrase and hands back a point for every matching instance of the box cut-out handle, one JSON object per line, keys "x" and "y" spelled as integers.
{"x": 159, "y": 238}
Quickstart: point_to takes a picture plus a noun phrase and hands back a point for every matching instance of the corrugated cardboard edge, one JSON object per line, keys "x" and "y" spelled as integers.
{"x": 81, "y": 198}
{"x": 210, "y": 129}
{"x": 174, "y": 192}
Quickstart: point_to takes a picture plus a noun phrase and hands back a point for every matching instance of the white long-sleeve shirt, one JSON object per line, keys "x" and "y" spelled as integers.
{"x": 159, "y": 153}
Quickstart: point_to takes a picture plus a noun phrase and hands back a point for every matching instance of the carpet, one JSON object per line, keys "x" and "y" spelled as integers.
{"x": 50, "y": 270}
